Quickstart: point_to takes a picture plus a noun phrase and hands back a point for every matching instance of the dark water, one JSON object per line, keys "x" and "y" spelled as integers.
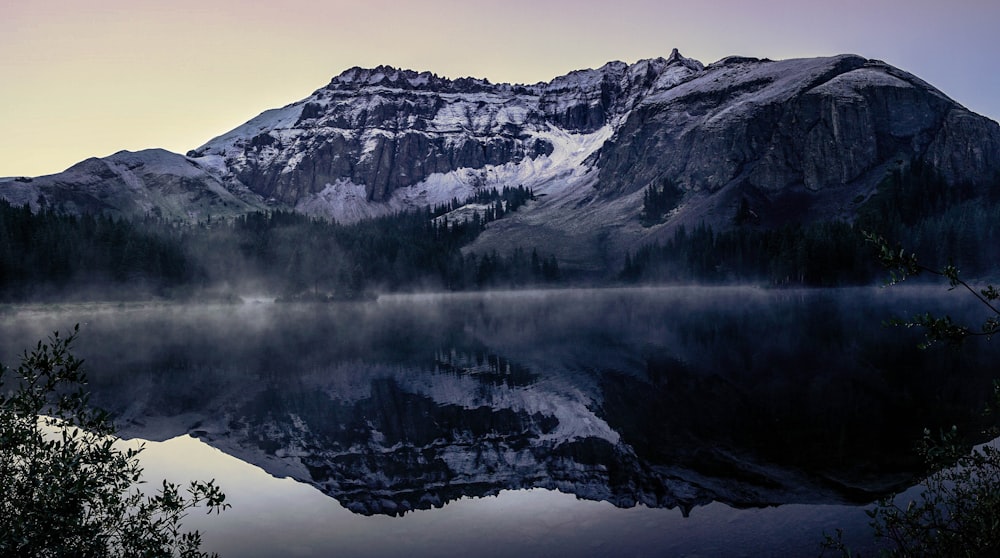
{"x": 662, "y": 399}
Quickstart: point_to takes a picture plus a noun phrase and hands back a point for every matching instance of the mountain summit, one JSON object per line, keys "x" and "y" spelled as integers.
{"x": 798, "y": 139}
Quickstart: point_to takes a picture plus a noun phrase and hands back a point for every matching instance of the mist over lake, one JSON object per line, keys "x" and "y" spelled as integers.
{"x": 668, "y": 398}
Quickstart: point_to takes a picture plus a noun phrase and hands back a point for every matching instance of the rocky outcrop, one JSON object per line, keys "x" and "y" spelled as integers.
{"x": 812, "y": 123}
{"x": 383, "y": 129}
{"x": 809, "y": 126}
{"x": 965, "y": 147}
{"x": 584, "y": 101}
{"x": 382, "y": 163}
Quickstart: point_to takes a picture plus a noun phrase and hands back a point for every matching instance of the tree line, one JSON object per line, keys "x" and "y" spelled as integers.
{"x": 657, "y": 201}
{"x": 948, "y": 224}
{"x": 45, "y": 252}
{"x": 44, "y": 255}
{"x": 823, "y": 254}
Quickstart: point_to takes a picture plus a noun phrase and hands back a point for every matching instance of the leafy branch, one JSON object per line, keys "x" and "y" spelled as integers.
{"x": 903, "y": 264}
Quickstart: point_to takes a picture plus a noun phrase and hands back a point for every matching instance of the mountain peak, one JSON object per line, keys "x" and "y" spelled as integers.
{"x": 676, "y": 58}
{"x": 388, "y": 76}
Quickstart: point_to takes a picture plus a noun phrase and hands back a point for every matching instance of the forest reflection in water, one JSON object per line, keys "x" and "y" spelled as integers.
{"x": 673, "y": 397}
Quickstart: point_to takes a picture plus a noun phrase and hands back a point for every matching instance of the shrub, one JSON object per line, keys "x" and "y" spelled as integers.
{"x": 67, "y": 488}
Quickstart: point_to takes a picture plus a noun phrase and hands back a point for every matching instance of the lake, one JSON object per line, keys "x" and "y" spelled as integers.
{"x": 673, "y": 421}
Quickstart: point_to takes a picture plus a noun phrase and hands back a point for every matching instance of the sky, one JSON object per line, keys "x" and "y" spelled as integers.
{"x": 80, "y": 79}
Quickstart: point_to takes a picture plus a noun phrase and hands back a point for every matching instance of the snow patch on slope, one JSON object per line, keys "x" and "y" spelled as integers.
{"x": 545, "y": 174}
{"x": 342, "y": 201}
{"x": 345, "y": 201}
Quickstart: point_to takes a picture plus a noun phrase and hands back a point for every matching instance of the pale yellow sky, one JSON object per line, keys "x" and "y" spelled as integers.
{"x": 81, "y": 79}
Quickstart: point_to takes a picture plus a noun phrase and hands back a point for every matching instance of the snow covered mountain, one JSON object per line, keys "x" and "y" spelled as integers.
{"x": 384, "y": 139}
{"x": 149, "y": 182}
{"x": 799, "y": 139}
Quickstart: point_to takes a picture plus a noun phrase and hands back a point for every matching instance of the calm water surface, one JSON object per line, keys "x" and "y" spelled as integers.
{"x": 677, "y": 421}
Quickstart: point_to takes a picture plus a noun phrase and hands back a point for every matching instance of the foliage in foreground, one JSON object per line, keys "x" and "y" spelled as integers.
{"x": 66, "y": 488}
{"x": 957, "y": 512}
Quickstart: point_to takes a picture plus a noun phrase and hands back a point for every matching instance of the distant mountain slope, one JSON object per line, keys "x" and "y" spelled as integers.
{"x": 151, "y": 182}
{"x": 793, "y": 140}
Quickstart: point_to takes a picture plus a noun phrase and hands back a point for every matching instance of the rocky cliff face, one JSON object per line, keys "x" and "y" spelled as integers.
{"x": 386, "y": 129}
{"x": 382, "y": 129}
{"x": 822, "y": 126}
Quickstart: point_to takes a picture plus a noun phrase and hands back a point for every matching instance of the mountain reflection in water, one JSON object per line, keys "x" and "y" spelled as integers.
{"x": 673, "y": 397}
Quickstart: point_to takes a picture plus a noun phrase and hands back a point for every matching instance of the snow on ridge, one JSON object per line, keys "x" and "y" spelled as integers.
{"x": 586, "y": 79}
{"x": 362, "y": 112}
{"x": 213, "y": 164}
{"x": 388, "y": 76}
{"x": 391, "y": 77}
{"x": 671, "y": 77}
{"x": 751, "y": 82}
{"x": 575, "y": 87}
{"x": 272, "y": 119}
{"x": 850, "y": 84}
